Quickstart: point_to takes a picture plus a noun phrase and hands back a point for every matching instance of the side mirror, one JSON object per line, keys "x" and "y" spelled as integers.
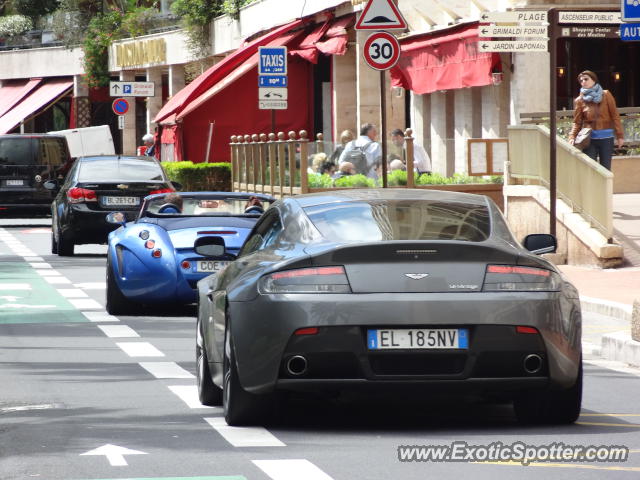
{"x": 539, "y": 243}
{"x": 177, "y": 185}
{"x": 116, "y": 218}
{"x": 50, "y": 185}
{"x": 209, "y": 246}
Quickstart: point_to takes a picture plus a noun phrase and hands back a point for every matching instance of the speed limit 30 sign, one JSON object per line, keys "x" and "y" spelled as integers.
{"x": 381, "y": 51}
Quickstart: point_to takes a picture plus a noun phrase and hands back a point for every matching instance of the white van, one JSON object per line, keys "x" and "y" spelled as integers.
{"x": 88, "y": 141}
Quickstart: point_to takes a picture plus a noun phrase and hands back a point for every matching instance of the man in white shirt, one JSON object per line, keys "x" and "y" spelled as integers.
{"x": 421, "y": 160}
{"x": 365, "y": 145}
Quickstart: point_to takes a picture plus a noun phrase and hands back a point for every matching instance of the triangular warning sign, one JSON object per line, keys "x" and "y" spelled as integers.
{"x": 380, "y": 15}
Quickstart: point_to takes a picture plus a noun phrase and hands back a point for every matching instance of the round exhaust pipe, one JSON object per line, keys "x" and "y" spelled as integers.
{"x": 297, "y": 365}
{"x": 532, "y": 363}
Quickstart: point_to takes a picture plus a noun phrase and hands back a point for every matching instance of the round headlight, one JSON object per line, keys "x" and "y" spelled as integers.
{"x": 144, "y": 234}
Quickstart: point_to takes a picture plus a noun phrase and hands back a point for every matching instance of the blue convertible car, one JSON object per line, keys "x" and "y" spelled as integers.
{"x": 176, "y": 240}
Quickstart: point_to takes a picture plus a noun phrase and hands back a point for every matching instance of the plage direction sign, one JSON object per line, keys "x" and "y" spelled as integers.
{"x": 519, "y": 16}
{"x": 518, "y": 46}
{"x": 502, "y": 31}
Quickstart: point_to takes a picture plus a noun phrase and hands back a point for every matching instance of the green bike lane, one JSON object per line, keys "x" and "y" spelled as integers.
{"x": 26, "y": 297}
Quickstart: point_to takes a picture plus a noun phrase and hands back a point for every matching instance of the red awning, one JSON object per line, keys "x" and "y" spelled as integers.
{"x": 12, "y": 92}
{"x": 232, "y": 76}
{"x": 329, "y": 38}
{"x": 218, "y": 72}
{"x": 447, "y": 61}
{"x": 46, "y": 94}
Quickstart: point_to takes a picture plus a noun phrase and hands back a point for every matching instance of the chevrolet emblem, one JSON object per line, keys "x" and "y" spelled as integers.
{"x": 122, "y": 186}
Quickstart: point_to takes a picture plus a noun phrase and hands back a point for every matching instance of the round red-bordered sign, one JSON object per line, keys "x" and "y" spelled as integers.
{"x": 120, "y": 106}
{"x": 381, "y": 51}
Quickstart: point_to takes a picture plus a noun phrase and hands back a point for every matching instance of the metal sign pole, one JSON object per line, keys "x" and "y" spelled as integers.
{"x": 383, "y": 127}
{"x": 553, "y": 107}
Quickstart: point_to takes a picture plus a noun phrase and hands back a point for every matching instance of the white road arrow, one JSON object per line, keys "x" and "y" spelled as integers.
{"x": 114, "y": 454}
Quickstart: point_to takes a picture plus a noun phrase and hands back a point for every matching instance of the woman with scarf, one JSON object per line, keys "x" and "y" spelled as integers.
{"x": 596, "y": 108}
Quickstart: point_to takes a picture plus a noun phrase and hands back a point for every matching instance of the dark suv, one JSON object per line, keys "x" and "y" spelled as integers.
{"x": 26, "y": 162}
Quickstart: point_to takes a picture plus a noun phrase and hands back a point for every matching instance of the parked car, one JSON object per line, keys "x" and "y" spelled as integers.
{"x": 96, "y": 186}
{"x": 159, "y": 258}
{"x": 27, "y": 161}
{"x": 388, "y": 289}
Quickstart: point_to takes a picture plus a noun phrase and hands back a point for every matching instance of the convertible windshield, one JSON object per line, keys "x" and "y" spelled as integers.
{"x": 374, "y": 221}
{"x": 200, "y": 206}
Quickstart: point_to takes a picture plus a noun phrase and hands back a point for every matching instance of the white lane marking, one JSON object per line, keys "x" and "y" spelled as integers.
{"x": 165, "y": 370}
{"x": 72, "y": 293}
{"x": 24, "y": 408}
{"x": 114, "y": 454}
{"x": 189, "y": 395}
{"x": 82, "y": 303}
{"x": 40, "y": 265}
{"x": 34, "y": 259}
{"x": 246, "y": 436}
{"x": 91, "y": 285}
{"x": 49, "y": 273}
{"x": 615, "y": 366}
{"x": 118, "y": 331}
{"x": 100, "y": 317}
{"x": 15, "y": 286}
{"x": 292, "y": 469}
{"x": 57, "y": 280}
{"x": 140, "y": 349}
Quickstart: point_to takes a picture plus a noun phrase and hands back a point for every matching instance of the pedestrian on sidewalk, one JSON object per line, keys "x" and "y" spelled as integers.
{"x": 595, "y": 108}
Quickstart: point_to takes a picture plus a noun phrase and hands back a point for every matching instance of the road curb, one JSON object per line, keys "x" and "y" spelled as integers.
{"x": 607, "y": 308}
{"x": 621, "y": 347}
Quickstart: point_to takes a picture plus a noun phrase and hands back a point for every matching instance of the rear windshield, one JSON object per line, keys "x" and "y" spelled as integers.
{"x": 33, "y": 151}
{"x": 123, "y": 169}
{"x": 374, "y": 221}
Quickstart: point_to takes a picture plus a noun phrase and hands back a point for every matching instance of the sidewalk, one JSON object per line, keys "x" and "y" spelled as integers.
{"x": 608, "y": 295}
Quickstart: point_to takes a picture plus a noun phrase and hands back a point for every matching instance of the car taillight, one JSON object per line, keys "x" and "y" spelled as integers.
{"x": 513, "y": 278}
{"x": 306, "y": 280}
{"x": 162, "y": 190}
{"x": 79, "y": 195}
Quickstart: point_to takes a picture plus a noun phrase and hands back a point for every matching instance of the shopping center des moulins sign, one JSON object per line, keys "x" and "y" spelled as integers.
{"x": 141, "y": 52}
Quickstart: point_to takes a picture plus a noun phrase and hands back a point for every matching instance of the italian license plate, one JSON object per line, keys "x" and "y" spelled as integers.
{"x": 121, "y": 201}
{"x": 14, "y": 183}
{"x": 418, "y": 338}
{"x": 210, "y": 265}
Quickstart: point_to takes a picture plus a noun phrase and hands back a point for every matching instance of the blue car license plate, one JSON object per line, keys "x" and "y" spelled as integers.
{"x": 418, "y": 338}
{"x": 210, "y": 266}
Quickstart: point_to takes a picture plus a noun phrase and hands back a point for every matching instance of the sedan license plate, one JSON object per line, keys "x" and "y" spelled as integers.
{"x": 121, "y": 201}
{"x": 418, "y": 338}
{"x": 211, "y": 266}
{"x": 14, "y": 183}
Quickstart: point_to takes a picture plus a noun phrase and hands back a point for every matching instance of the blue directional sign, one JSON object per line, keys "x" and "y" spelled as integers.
{"x": 272, "y": 81}
{"x": 272, "y": 61}
{"x": 630, "y": 32}
{"x": 630, "y": 10}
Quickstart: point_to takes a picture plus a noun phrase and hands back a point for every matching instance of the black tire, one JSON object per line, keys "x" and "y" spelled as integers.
{"x": 241, "y": 407}
{"x": 117, "y": 303}
{"x": 208, "y": 392}
{"x": 65, "y": 246}
{"x": 54, "y": 244}
{"x": 558, "y": 407}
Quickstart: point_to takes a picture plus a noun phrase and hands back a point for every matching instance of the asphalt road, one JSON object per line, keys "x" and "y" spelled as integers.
{"x": 87, "y": 396}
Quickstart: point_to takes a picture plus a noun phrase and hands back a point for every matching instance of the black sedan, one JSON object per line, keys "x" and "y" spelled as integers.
{"x": 389, "y": 289}
{"x": 96, "y": 186}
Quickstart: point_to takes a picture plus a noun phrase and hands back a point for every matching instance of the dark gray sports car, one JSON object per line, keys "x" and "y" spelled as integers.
{"x": 389, "y": 289}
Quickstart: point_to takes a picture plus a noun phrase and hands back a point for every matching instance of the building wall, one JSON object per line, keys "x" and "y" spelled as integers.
{"x": 40, "y": 62}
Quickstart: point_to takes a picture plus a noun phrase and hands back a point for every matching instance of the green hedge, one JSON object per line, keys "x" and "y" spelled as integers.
{"x": 398, "y": 178}
{"x": 200, "y": 177}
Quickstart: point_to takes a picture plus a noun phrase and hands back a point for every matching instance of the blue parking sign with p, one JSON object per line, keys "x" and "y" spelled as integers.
{"x": 272, "y": 61}
{"x": 126, "y": 89}
{"x": 630, "y": 10}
